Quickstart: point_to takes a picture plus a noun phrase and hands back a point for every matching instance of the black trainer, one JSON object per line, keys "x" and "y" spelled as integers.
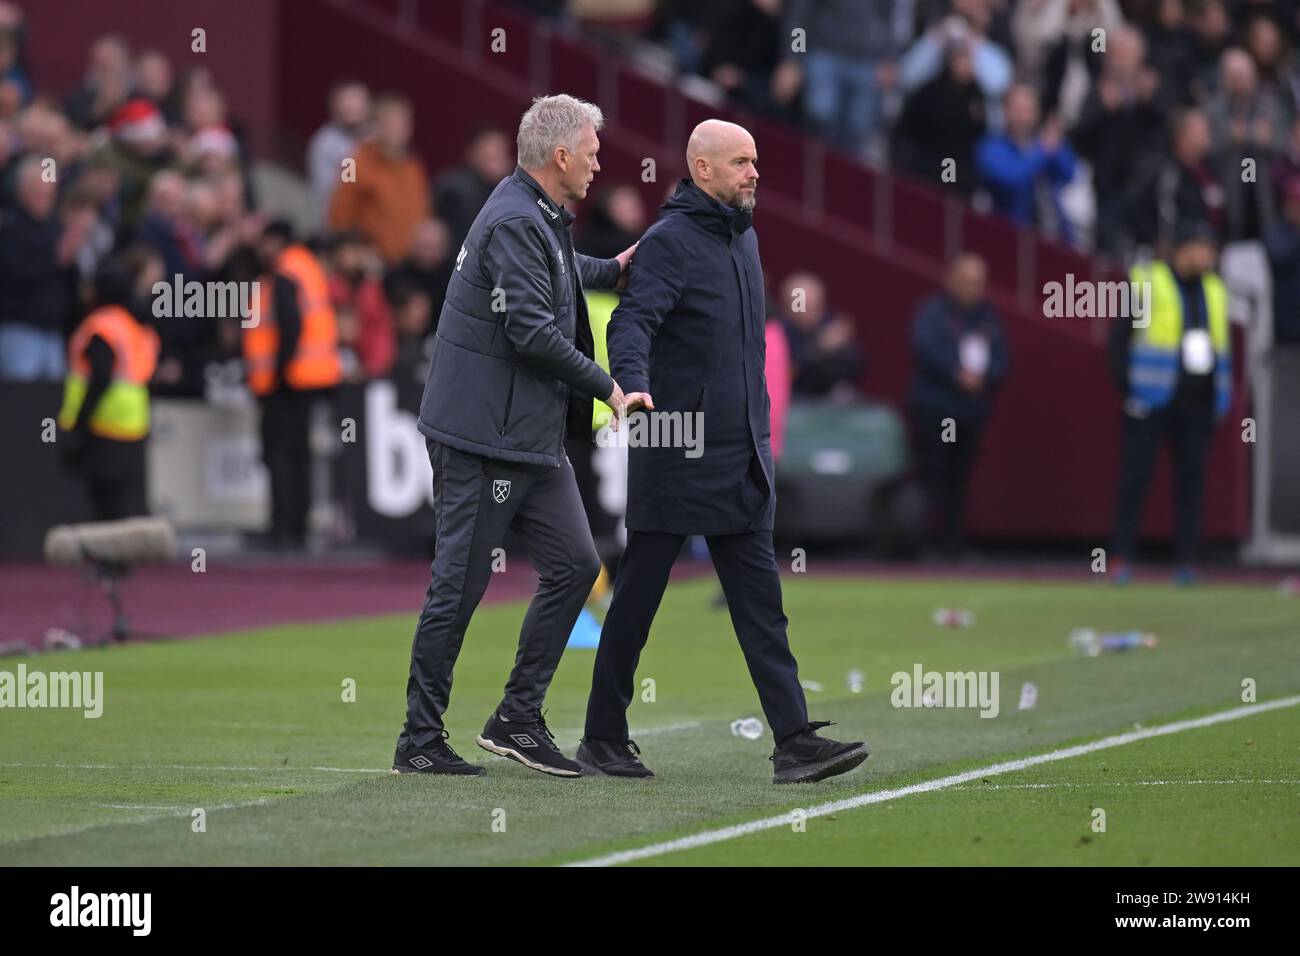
{"x": 805, "y": 757}
{"x": 434, "y": 757}
{"x": 611, "y": 759}
{"x": 531, "y": 744}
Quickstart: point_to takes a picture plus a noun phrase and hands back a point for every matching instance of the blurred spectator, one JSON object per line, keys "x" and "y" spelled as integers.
{"x": 107, "y": 86}
{"x": 154, "y": 82}
{"x": 334, "y": 142}
{"x": 208, "y": 144}
{"x": 1245, "y": 123}
{"x": 777, "y": 375}
{"x": 1182, "y": 187}
{"x": 1283, "y": 244}
{"x": 1286, "y": 165}
{"x": 36, "y": 256}
{"x": 1239, "y": 109}
{"x": 391, "y": 193}
{"x": 210, "y": 236}
{"x": 461, "y": 192}
{"x": 684, "y": 26}
{"x": 824, "y": 358}
{"x": 944, "y": 119}
{"x": 967, "y": 23}
{"x": 1054, "y": 48}
{"x": 960, "y": 355}
{"x": 851, "y": 63}
{"x": 616, "y": 222}
{"x": 12, "y": 73}
{"x": 365, "y": 323}
{"x": 1120, "y": 131}
{"x": 1278, "y": 79}
{"x": 42, "y": 130}
{"x": 429, "y": 265}
{"x": 1025, "y": 167}
{"x": 11, "y": 99}
{"x": 137, "y": 150}
{"x": 82, "y": 220}
{"x": 1212, "y": 32}
{"x": 100, "y": 178}
{"x": 414, "y": 318}
{"x": 743, "y": 50}
{"x": 163, "y": 227}
{"x": 1174, "y": 52}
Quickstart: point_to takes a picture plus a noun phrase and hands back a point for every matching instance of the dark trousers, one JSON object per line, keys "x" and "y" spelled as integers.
{"x": 1188, "y": 422}
{"x": 746, "y": 566}
{"x": 945, "y": 471}
{"x": 286, "y": 427}
{"x": 115, "y": 475}
{"x": 476, "y": 500}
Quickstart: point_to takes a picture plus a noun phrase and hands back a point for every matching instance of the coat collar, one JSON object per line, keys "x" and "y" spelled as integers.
{"x": 555, "y": 214}
{"x": 713, "y": 215}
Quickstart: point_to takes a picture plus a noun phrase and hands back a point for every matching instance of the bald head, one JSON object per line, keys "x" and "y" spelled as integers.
{"x": 723, "y": 162}
{"x": 967, "y": 279}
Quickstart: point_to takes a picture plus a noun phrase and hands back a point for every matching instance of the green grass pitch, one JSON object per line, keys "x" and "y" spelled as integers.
{"x": 253, "y": 729}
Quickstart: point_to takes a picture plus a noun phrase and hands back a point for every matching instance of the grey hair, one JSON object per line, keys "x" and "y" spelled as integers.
{"x": 554, "y": 121}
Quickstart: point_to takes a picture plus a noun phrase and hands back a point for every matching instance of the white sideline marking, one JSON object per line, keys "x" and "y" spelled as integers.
{"x": 928, "y": 786}
{"x": 1129, "y": 783}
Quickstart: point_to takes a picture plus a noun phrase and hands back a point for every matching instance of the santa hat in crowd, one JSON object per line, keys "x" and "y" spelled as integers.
{"x": 137, "y": 121}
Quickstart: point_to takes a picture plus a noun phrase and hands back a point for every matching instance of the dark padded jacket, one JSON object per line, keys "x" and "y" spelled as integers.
{"x": 511, "y": 372}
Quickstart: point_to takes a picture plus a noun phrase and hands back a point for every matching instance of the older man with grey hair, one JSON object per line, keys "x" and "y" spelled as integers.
{"x": 511, "y": 374}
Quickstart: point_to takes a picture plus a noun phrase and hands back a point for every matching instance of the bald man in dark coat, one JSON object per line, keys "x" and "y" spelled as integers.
{"x": 688, "y": 340}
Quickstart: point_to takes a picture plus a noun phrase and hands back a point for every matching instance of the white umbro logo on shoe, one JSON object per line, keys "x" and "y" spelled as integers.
{"x": 523, "y": 740}
{"x": 420, "y": 762}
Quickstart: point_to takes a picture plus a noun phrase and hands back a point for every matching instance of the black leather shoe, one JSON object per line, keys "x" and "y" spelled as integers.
{"x": 805, "y": 757}
{"x": 611, "y": 759}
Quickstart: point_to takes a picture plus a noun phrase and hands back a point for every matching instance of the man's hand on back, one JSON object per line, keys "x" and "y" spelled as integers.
{"x": 624, "y": 258}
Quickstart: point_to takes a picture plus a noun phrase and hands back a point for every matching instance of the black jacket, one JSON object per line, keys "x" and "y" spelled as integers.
{"x": 513, "y": 339}
{"x": 690, "y": 331}
{"x": 34, "y": 289}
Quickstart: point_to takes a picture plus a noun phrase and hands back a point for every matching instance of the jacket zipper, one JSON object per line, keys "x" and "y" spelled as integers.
{"x": 510, "y": 397}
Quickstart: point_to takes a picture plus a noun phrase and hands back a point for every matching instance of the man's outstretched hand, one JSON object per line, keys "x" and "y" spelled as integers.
{"x": 637, "y": 400}
{"x": 624, "y": 404}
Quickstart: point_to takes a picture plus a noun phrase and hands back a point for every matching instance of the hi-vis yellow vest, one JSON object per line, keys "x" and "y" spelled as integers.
{"x": 600, "y": 307}
{"x": 123, "y": 412}
{"x": 1156, "y": 352}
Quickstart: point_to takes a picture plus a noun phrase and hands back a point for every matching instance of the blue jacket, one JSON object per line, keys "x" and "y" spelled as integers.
{"x": 511, "y": 371}
{"x": 1012, "y": 175}
{"x": 690, "y": 331}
